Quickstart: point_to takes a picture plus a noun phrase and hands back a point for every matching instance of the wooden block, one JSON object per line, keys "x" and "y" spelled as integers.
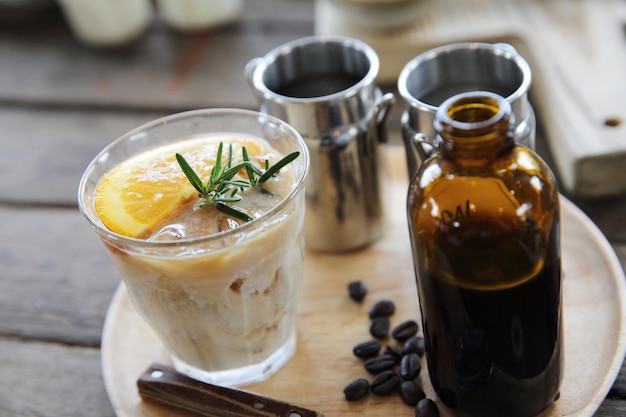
{"x": 577, "y": 54}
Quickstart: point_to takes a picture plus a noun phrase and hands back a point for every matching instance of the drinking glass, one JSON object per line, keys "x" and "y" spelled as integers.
{"x": 223, "y": 305}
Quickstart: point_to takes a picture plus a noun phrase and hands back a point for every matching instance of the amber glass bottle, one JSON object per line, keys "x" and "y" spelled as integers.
{"x": 483, "y": 217}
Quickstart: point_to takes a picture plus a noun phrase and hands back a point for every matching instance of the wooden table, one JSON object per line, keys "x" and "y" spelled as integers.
{"x": 60, "y": 103}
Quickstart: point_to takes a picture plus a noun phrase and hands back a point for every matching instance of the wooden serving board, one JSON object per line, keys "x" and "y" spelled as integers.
{"x": 330, "y": 323}
{"x": 576, "y": 49}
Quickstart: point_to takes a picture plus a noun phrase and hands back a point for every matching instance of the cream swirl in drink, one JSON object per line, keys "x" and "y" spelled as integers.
{"x": 220, "y": 293}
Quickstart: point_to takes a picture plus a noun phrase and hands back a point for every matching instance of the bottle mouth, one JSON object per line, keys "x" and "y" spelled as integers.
{"x": 474, "y": 109}
{"x": 473, "y": 113}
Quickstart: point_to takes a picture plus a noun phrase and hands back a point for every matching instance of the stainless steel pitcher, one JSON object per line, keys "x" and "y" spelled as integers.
{"x": 440, "y": 73}
{"x": 324, "y": 86}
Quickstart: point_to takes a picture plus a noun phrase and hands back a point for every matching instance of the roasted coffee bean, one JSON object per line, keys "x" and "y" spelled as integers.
{"x": 379, "y": 327}
{"x": 356, "y": 389}
{"x": 385, "y": 383}
{"x": 383, "y": 308}
{"x": 414, "y": 345}
{"x": 379, "y": 363}
{"x": 411, "y": 393}
{"x": 357, "y": 290}
{"x": 367, "y": 349}
{"x": 410, "y": 366}
{"x": 404, "y": 331}
{"x": 395, "y": 352}
{"x": 426, "y": 408}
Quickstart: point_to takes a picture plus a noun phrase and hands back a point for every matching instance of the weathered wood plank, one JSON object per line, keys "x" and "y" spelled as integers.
{"x": 609, "y": 214}
{"x": 44, "y": 379}
{"x": 610, "y": 408}
{"x": 56, "y": 280}
{"x": 618, "y": 391}
{"x": 162, "y": 70}
{"x": 43, "y": 152}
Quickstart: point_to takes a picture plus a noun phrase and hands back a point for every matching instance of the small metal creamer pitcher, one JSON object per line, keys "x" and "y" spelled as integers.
{"x": 440, "y": 73}
{"x": 324, "y": 86}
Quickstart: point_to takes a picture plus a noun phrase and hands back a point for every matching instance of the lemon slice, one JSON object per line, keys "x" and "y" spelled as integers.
{"x": 142, "y": 191}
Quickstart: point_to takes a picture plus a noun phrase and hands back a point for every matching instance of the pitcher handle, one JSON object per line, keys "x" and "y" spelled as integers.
{"x": 416, "y": 154}
{"x": 376, "y": 125}
{"x": 381, "y": 115}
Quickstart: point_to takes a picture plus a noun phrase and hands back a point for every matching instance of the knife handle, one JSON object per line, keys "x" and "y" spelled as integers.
{"x": 163, "y": 385}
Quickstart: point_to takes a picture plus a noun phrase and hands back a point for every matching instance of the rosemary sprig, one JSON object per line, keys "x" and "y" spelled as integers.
{"x": 256, "y": 175}
{"x": 221, "y": 188}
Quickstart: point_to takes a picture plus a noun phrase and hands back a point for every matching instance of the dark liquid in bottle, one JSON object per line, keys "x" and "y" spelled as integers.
{"x": 317, "y": 85}
{"x": 490, "y": 299}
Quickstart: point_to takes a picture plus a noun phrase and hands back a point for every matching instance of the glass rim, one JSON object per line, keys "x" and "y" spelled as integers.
{"x": 102, "y": 230}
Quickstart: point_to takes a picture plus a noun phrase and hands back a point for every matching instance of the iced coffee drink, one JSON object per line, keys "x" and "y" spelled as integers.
{"x": 218, "y": 281}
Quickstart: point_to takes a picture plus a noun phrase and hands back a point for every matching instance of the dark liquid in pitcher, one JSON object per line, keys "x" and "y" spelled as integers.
{"x": 440, "y": 94}
{"x": 317, "y": 85}
{"x": 492, "y": 319}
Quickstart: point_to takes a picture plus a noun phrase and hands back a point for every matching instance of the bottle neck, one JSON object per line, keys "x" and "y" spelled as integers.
{"x": 474, "y": 128}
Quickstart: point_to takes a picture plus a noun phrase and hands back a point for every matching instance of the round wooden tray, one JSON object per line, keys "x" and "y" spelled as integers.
{"x": 330, "y": 324}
